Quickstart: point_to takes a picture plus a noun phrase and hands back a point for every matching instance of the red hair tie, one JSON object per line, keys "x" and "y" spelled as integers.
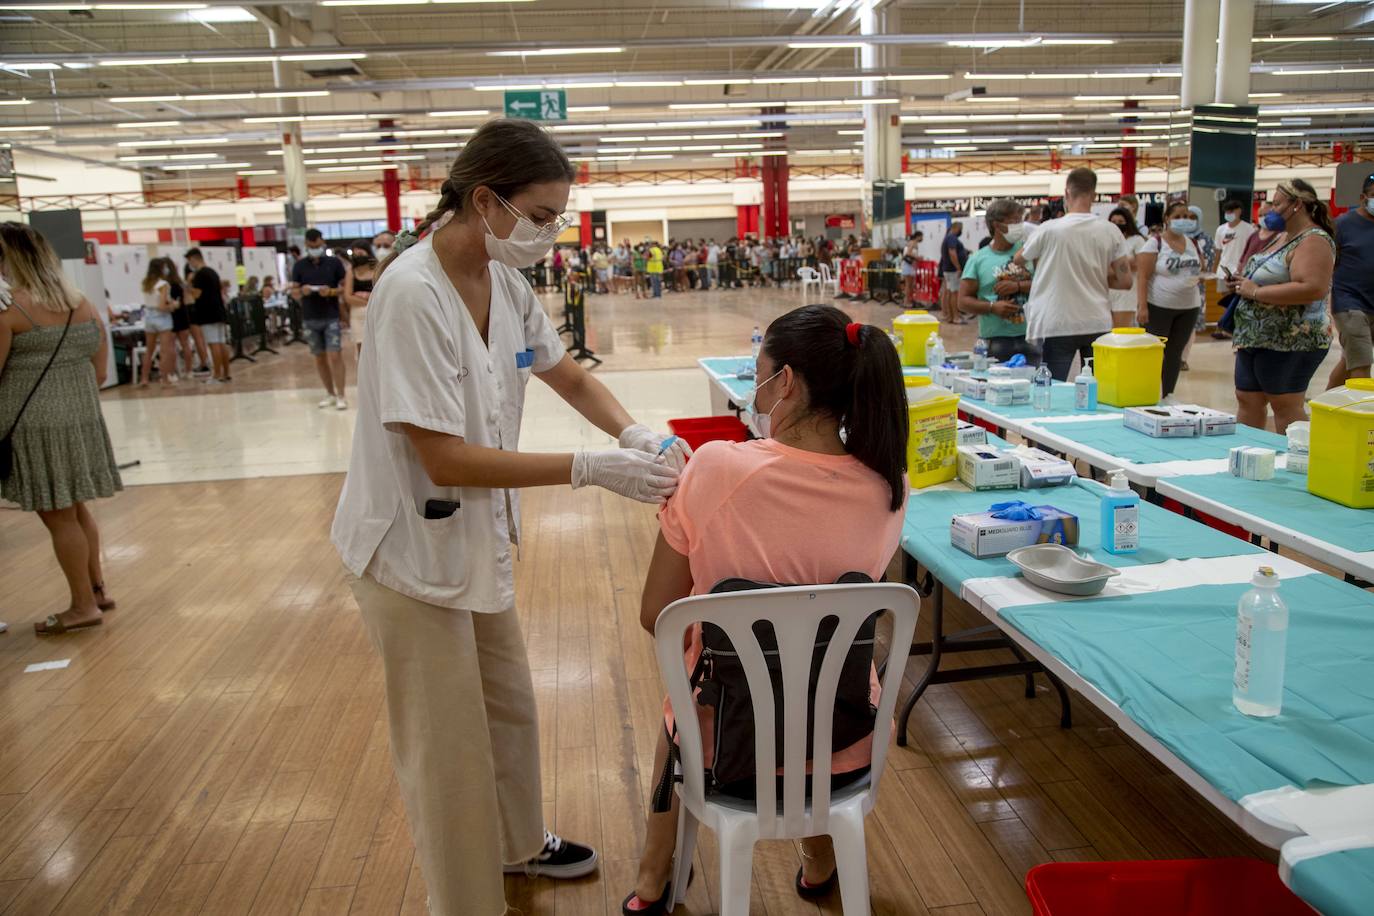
{"x": 852, "y": 332}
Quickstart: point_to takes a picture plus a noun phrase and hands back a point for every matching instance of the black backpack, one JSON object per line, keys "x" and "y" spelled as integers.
{"x": 720, "y": 682}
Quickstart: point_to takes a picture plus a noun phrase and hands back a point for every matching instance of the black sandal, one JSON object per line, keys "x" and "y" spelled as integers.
{"x": 105, "y": 604}
{"x": 815, "y": 891}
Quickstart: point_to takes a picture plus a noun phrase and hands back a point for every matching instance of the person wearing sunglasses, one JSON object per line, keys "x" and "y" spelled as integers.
{"x": 1352, "y": 288}
{"x": 428, "y": 519}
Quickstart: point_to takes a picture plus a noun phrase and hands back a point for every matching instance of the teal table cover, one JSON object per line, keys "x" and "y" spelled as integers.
{"x": 1285, "y": 501}
{"x": 1167, "y": 659}
{"x": 1164, "y": 535}
{"x": 1112, "y": 437}
{"x": 1339, "y": 884}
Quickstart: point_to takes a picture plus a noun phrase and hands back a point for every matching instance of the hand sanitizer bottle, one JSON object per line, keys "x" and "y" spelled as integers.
{"x": 1261, "y": 647}
{"x": 1085, "y": 388}
{"x": 1120, "y": 517}
{"x": 935, "y": 352}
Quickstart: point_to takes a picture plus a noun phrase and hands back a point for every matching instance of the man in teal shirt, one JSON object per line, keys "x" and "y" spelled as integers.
{"x": 994, "y": 288}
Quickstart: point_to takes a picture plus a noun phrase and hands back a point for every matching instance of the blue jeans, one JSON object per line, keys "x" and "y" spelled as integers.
{"x": 656, "y": 281}
{"x": 324, "y": 335}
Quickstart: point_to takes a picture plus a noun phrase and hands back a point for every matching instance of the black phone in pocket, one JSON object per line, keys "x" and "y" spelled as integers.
{"x": 441, "y": 508}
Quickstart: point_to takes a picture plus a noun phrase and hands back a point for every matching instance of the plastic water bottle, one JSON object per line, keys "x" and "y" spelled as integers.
{"x": 1261, "y": 647}
{"x": 1042, "y": 389}
{"x": 980, "y": 355}
{"x": 756, "y": 343}
{"x": 935, "y": 352}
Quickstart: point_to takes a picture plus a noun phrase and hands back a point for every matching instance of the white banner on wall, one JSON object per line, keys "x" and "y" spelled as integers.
{"x": 221, "y": 259}
{"x": 122, "y": 269}
{"x": 261, "y": 262}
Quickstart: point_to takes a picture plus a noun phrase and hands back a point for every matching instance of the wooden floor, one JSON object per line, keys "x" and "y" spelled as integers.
{"x": 220, "y": 745}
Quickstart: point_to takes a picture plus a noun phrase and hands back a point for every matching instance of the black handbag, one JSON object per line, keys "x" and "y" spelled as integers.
{"x": 720, "y": 682}
{"x": 7, "y": 443}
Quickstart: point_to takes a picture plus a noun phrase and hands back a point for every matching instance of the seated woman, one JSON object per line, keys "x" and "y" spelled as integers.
{"x": 800, "y": 506}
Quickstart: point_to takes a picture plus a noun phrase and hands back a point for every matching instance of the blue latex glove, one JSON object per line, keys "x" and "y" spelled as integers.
{"x": 1018, "y": 359}
{"x": 1015, "y": 511}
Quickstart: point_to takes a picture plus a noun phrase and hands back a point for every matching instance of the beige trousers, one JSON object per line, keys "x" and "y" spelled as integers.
{"x": 464, "y": 742}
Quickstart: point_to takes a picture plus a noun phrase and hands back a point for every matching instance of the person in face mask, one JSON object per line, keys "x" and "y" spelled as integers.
{"x": 1283, "y": 330}
{"x": 803, "y": 505}
{"x": 317, "y": 280}
{"x": 382, "y": 245}
{"x": 428, "y": 517}
{"x": 1167, "y": 291}
{"x": 994, "y": 288}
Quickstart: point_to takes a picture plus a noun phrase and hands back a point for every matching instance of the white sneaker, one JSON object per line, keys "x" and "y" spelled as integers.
{"x": 327, "y": 403}
{"x": 1168, "y": 400}
{"x": 340, "y": 404}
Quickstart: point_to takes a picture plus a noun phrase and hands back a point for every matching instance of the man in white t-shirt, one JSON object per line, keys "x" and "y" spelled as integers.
{"x": 1078, "y": 258}
{"x": 1230, "y": 240}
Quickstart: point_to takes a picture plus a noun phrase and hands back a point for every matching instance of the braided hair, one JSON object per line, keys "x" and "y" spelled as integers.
{"x": 505, "y": 155}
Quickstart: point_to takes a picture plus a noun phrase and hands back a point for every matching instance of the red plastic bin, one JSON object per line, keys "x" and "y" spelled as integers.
{"x": 697, "y": 431}
{"x": 1178, "y": 887}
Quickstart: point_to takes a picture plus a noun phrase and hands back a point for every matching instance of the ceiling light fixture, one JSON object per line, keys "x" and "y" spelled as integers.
{"x": 146, "y": 62}
{"x": 808, "y": 45}
{"x": 469, "y": 113}
{"x": 587, "y": 109}
{"x": 1280, "y": 39}
{"x": 552, "y": 52}
{"x": 310, "y": 57}
{"x": 995, "y": 43}
{"x": 24, "y": 127}
{"x": 637, "y": 84}
{"x": 1078, "y": 41}
{"x": 15, "y": 102}
{"x": 151, "y": 6}
{"x": 26, "y": 66}
{"x": 258, "y": 172}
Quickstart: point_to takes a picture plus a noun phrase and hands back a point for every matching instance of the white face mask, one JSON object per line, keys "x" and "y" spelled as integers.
{"x": 763, "y": 420}
{"x": 525, "y": 245}
{"x": 1233, "y": 217}
{"x": 315, "y": 253}
{"x": 1369, "y": 205}
{"x": 1015, "y": 232}
{"x": 382, "y": 251}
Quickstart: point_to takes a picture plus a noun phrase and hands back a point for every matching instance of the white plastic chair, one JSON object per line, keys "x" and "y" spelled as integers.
{"x": 808, "y": 277}
{"x": 829, "y": 280}
{"x": 796, "y": 614}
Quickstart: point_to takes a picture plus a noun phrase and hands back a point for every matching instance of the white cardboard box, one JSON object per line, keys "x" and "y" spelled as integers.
{"x": 1041, "y": 469}
{"x": 1210, "y": 422}
{"x": 981, "y": 535}
{"x": 968, "y": 386}
{"x": 970, "y": 434}
{"x": 1161, "y": 422}
{"x": 985, "y": 468}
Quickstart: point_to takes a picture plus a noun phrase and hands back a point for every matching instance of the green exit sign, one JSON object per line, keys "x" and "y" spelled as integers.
{"x": 538, "y": 105}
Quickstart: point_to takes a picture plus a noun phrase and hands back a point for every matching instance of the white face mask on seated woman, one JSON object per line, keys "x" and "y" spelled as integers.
{"x": 763, "y": 420}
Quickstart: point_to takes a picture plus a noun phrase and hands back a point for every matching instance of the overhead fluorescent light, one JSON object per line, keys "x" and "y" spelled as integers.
{"x": 994, "y": 98}
{"x": 1330, "y": 72}
{"x": 145, "y": 62}
{"x": 587, "y": 109}
{"x": 373, "y": 2}
{"x": 783, "y": 80}
{"x": 552, "y": 52}
{"x": 807, "y": 45}
{"x": 634, "y": 84}
{"x": 1123, "y": 98}
{"x": 43, "y": 7}
{"x": 697, "y": 106}
{"x": 24, "y": 127}
{"x": 1266, "y": 95}
{"x": 577, "y": 85}
{"x": 1280, "y": 39}
{"x": 513, "y": 87}
{"x": 167, "y": 158}
{"x": 902, "y": 77}
{"x": 1039, "y": 147}
{"x": 995, "y": 43}
{"x": 274, "y": 119}
{"x": 1283, "y": 133}
{"x": 944, "y": 130}
{"x": 339, "y": 56}
{"x": 144, "y": 98}
{"x": 468, "y": 113}
{"x": 1078, "y": 41}
{"x": 179, "y": 141}
{"x": 259, "y": 172}
{"x": 15, "y": 102}
{"x": 202, "y": 168}
{"x": 241, "y": 59}
{"x": 218, "y": 96}
{"x": 151, "y": 6}
{"x": 880, "y": 101}
{"x": 25, "y": 65}
{"x": 294, "y": 94}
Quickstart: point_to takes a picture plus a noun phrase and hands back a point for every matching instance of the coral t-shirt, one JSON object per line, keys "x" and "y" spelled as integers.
{"x": 768, "y": 512}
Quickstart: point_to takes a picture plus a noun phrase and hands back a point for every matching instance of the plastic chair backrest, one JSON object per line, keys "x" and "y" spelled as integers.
{"x": 807, "y": 274}
{"x": 796, "y": 613}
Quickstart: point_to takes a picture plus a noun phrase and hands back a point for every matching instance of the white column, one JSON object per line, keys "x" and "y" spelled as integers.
{"x": 882, "y": 138}
{"x": 1233, "y": 52}
{"x": 1200, "y": 19}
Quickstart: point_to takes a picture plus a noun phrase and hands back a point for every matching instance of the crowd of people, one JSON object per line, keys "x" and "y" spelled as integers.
{"x": 1048, "y": 288}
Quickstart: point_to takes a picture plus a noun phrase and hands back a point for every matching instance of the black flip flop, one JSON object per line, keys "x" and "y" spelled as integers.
{"x": 815, "y": 891}
{"x": 657, "y": 907}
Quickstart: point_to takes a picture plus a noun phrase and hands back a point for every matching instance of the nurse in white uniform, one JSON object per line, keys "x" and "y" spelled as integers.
{"x": 429, "y": 513}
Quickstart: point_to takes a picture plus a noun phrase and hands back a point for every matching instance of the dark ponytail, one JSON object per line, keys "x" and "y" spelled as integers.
{"x": 858, "y": 384}
{"x": 505, "y": 155}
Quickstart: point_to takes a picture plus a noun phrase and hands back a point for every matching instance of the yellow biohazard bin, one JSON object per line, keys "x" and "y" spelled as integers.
{"x": 932, "y": 446}
{"x": 1341, "y": 454}
{"x": 913, "y": 328}
{"x": 1128, "y": 363}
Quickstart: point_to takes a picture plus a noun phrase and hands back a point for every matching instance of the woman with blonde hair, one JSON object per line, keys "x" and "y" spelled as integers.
{"x": 55, "y": 454}
{"x": 157, "y": 321}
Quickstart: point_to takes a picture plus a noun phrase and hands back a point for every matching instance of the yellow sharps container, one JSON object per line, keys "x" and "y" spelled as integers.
{"x": 932, "y": 445}
{"x": 913, "y": 328}
{"x": 1128, "y": 363}
{"x": 1341, "y": 454}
